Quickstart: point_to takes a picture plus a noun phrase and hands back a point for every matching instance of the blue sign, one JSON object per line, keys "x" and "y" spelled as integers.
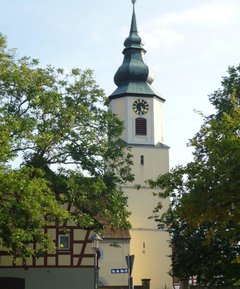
{"x": 119, "y": 271}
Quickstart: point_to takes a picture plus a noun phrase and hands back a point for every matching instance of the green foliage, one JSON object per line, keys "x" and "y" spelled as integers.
{"x": 203, "y": 218}
{"x": 56, "y": 125}
{"x": 27, "y": 204}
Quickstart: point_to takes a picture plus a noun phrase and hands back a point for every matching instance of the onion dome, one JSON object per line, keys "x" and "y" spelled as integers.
{"x": 133, "y": 67}
{"x": 133, "y": 76}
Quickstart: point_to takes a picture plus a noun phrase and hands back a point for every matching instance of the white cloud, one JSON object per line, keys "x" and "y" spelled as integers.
{"x": 173, "y": 29}
{"x": 162, "y": 37}
{"x": 218, "y": 13}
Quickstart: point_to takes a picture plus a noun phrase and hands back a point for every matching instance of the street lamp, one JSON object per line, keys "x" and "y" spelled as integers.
{"x": 95, "y": 238}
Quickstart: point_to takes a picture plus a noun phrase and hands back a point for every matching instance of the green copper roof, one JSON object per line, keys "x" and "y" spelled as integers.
{"x": 133, "y": 76}
{"x": 134, "y": 88}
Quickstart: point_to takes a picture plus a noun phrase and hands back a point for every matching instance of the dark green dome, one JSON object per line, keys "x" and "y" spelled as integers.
{"x": 133, "y": 77}
{"x": 133, "y": 67}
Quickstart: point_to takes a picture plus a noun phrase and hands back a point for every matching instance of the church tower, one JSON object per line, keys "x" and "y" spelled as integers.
{"x": 140, "y": 107}
{"x": 134, "y": 101}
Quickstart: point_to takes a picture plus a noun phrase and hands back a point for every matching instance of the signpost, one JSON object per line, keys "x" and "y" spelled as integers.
{"x": 130, "y": 260}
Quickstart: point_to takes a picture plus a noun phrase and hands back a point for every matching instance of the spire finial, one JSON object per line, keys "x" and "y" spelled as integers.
{"x": 134, "y": 22}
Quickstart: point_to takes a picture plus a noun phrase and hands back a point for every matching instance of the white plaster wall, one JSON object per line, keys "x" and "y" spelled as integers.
{"x": 151, "y": 250}
{"x": 157, "y": 121}
{"x": 118, "y": 107}
{"x": 149, "y": 245}
{"x": 141, "y": 204}
{"x": 122, "y": 107}
{"x": 156, "y": 162}
{"x": 113, "y": 258}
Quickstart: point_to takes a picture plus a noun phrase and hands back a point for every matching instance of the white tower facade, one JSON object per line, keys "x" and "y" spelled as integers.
{"x": 140, "y": 108}
{"x": 148, "y": 110}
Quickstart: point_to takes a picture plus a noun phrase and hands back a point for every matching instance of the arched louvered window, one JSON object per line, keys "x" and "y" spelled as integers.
{"x": 141, "y": 126}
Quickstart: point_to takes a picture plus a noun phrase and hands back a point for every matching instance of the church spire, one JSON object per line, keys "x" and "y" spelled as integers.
{"x": 134, "y": 22}
{"x": 133, "y": 76}
{"x": 133, "y": 40}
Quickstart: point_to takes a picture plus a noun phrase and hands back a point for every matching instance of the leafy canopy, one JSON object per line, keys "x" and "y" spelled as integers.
{"x": 58, "y": 144}
{"x": 204, "y": 216}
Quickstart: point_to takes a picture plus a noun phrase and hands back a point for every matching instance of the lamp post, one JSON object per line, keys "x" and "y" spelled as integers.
{"x": 95, "y": 238}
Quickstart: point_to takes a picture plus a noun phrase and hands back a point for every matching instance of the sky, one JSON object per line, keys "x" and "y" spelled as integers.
{"x": 189, "y": 44}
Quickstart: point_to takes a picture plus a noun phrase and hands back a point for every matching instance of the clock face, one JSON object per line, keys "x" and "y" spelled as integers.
{"x": 140, "y": 106}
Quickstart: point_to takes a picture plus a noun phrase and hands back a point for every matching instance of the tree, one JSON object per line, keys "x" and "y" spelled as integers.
{"x": 27, "y": 205}
{"x": 203, "y": 218}
{"x": 56, "y": 125}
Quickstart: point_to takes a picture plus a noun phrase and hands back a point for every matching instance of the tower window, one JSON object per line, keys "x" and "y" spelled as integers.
{"x": 141, "y": 160}
{"x": 141, "y": 126}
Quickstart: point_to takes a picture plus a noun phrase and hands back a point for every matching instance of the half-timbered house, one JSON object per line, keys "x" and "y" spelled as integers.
{"x": 71, "y": 267}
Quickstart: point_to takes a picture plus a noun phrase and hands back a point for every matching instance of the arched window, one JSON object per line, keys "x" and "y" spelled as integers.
{"x": 141, "y": 126}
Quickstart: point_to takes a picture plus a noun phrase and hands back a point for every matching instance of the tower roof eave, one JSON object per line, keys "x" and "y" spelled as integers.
{"x": 135, "y": 88}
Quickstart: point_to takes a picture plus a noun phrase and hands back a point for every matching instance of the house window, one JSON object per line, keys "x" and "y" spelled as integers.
{"x": 63, "y": 242}
{"x": 141, "y": 160}
{"x": 141, "y": 126}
